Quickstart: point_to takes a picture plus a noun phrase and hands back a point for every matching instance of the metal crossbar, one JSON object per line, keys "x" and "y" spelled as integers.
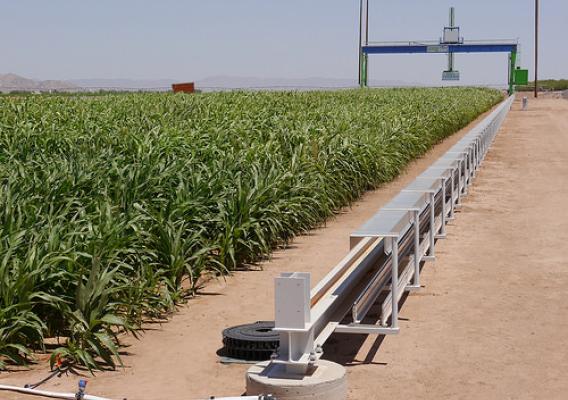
{"x": 384, "y": 260}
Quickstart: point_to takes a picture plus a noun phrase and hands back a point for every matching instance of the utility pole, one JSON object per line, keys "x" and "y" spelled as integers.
{"x": 366, "y": 56}
{"x": 536, "y": 8}
{"x": 360, "y": 38}
{"x": 367, "y": 24}
{"x": 452, "y": 25}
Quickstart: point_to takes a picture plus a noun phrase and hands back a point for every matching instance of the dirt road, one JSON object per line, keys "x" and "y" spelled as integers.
{"x": 491, "y": 322}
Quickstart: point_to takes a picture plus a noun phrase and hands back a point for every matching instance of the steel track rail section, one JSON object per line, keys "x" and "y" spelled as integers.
{"x": 384, "y": 260}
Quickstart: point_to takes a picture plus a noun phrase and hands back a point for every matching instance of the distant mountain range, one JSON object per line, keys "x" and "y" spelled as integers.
{"x": 121, "y": 84}
{"x": 12, "y": 82}
{"x": 232, "y": 82}
{"x": 228, "y": 82}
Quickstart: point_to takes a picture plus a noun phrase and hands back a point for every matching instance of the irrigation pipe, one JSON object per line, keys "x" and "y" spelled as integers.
{"x": 71, "y": 396}
{"x": 44, "y": 393}
{"x": 245, "y": 398}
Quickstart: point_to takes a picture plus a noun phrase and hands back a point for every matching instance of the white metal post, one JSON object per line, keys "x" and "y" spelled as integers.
{"x": 471, "y": 153}
{"x": 468, "y": 171}
{"x": 460, "y": 163}
{"x": 452, "y": 193}
{"x": 475, "y": 158}
{"x": 431, "y": 251}
{"x": 443, "y": 228}
{"x": 394, "y": 281}
{"x": 466, "y": 174}
{"x": 292, "y": 319}
{"x": 417, "y": 249}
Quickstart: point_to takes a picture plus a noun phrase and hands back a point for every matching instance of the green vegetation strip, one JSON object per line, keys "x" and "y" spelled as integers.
{"x": 113, "y": 209}
{"x": 547, "y": 84}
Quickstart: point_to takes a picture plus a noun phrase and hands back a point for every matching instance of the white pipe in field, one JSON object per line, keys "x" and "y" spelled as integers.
{"x": 239, "y": 398}
{"x": 71, "y": 396}
{"x": 44, "y": 393}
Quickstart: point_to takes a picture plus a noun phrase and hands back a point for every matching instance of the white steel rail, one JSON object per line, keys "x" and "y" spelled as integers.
{"x": 385, "y": 256}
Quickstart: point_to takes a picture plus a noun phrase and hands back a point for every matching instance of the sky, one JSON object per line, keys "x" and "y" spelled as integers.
{"x": 191, "y": 40}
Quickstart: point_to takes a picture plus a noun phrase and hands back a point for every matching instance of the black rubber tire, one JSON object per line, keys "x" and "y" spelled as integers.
{"x": 251, "y": 342}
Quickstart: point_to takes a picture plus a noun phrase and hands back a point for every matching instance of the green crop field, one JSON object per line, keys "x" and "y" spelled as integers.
{"x": 114, "y": 209}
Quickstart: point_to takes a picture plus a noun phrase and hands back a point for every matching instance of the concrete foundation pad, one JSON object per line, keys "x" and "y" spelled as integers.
{"x": 327, "y": 382}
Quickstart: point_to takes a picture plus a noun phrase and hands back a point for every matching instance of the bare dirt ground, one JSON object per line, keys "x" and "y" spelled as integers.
{"x": 491, "y": 322}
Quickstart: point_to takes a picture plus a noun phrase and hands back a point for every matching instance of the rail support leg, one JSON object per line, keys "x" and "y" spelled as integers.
{"x": 460, "y": 179}
{"x": 432, "y": 232}
{"x": 416, "y": 280}
{"x": 442, "y": 234}
{"x": 475, "y": 161}
{"x": 293, "y": 321}
{"x": 452, "y": 194}
{"x": 394, "y": 280}
{"x": 467, "y": 174}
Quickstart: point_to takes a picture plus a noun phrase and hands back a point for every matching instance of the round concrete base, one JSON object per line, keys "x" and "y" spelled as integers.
{"x": 326, "y": 382}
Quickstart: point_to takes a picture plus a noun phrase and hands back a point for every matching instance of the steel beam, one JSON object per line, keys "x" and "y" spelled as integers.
{"x": 439, "y": 48}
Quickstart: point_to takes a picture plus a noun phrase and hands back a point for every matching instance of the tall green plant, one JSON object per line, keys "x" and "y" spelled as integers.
{"x": 115, "y": 208}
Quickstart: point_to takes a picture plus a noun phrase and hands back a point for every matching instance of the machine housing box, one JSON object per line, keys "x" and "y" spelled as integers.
{"x": 521, "y": 76}
{"x": 451, "y": 35}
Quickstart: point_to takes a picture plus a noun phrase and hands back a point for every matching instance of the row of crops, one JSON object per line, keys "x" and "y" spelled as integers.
{"x": 114, "y": 209}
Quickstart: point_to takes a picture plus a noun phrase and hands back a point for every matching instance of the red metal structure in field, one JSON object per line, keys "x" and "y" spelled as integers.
{"x": 188, "y": 87}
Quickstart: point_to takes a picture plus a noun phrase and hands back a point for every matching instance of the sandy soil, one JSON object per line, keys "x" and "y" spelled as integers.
{"x": 490, "y": 322}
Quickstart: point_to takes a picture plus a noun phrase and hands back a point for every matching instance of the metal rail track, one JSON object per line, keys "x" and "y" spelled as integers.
{"x": 384, "y": 260}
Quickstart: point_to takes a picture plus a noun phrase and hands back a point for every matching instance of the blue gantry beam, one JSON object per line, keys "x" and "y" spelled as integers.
{"x": 440, "y": 48}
